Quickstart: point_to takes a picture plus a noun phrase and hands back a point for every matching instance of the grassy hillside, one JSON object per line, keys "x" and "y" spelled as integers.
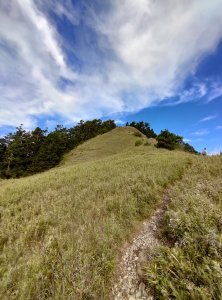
{"x": 60, "y": 231}
{"x": 191, "y": 267}
{"x": 114, "y": 142}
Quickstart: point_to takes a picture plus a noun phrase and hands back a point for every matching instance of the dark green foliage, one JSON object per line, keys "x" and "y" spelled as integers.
{"x": 23, "y": 153}
{"x": 21, "y": 148}
{"x": 168, "y": 140}
{"x": 138, "y": 143}
{"x": 138, "y": 134}
{"x": 87, "y": 130}
{"x": 2, "y": 148}
{"x": 188, "y": 148}
{"x": 51, "y": 151}
{"x": 143, "y": 127}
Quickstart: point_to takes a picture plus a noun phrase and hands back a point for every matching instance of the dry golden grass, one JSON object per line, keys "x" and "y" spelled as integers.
{"x": 116, "y": 141}
{"x": 191, "y": 268}
{"x": 61, "y": 230}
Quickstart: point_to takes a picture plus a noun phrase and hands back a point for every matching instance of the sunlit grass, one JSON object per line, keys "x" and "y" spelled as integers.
{"x": 192, "y": 267}
{"x": 61, "y": 230}
{"x": 118, "y": 140}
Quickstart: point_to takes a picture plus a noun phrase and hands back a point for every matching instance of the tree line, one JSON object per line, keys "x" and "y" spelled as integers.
{"x": 24, "y": 152}
{"x": 165, "y": 139}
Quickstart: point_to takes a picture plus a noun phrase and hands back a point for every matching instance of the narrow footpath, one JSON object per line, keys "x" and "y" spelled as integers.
{"x": 129, "y": 283}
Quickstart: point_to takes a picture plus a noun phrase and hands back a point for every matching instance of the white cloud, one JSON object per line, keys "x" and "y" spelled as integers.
{"x": 62, "y": 8}
{"x": 197, "y": 91}
{"x": 216, "y": 91}
{"x": 201, "y": 132}
{"x": 219, "y": 127}
{"x": 151, "y": 38}
{"x": 208, "y": 118}
{"x": 44, "y": 29}
{"x": 120, "y": 122}
{"x": 186, "y": 140}
{"x": 141, "y": 55}
{"x": 216, "y": 151}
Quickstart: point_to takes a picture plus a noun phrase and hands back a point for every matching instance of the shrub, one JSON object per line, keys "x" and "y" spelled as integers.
{"x": 144, "y": 127}
{"x": 138, "y": 143}
{"x": 147, "y": 143}
{"x": 138, "y": 134}
{"x": 168, "y": 140}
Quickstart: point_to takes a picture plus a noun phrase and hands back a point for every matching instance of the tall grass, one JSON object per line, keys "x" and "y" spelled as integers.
{"x": 61, "y": 230}
{"x": 191, "y": 268}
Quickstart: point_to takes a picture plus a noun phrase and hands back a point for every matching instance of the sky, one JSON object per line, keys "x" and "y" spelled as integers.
{"x": 159, "y": 61}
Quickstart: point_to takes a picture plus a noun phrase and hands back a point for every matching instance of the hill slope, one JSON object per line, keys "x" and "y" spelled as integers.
{"x": 189, "y": 266}
{"x": 116, "y": 141}
{"x": 61, "y": 230}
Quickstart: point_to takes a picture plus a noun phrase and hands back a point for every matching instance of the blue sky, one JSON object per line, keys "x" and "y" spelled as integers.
{"x": 152, "y": 60}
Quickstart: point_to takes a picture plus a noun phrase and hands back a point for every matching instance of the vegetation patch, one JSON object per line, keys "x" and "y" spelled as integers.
{"x": 138, "y": 143}
{"x": 138, "y": 134}
{"x": 147, "y": 143}
{"x": 144, "y": 128}
{"x": 61, "y": 230}
{"x": 191, "y": 268}
{"x": 25, "y": 153}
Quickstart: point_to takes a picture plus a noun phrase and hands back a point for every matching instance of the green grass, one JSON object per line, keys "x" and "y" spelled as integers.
{"x": 120, "y": 139}
{"x": 138, "y": 143}
{"x": 191, "y": 268}
{"x": 61, "y": 231}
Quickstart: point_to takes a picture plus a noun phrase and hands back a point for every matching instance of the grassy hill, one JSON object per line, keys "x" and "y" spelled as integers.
{"x": 114, "y": 142}
{"x": 61, "y": 230}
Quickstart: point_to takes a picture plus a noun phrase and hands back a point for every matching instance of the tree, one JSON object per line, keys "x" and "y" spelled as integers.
{"x": 51, "y": 149}
{"x": 188, "y": 148}
{"x": 3, "y": 148}
{"x": 168, "y": 140}
{"x": 143, "y": 127}
{"x": 15, "y": 158}
{"x": 23, "y": 153}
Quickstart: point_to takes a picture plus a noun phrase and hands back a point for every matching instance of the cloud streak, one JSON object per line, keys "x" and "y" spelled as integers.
{"x": 201, "y": 132}
{"x": 186, "y": 140}
{"x": 138, "y": 56}
{"x": 208, "y": 118}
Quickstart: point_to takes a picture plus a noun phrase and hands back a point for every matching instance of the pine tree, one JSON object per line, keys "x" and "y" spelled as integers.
{"x": 168, "y": 140}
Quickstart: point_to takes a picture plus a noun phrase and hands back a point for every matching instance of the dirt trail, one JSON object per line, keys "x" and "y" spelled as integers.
{"x": 129, "y": 283}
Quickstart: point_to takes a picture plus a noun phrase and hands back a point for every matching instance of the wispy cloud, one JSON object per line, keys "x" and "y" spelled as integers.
{"x": 197, "y": 91}
{"x": 138, "y": 55}
{"x": 63, "y": 9}
{"x": 201, "y": 132}
{"x": 186, "y": 140}
{"x": 208, "y": 118}
{"x": 216, "y": 91}
{"x": 219, "y": 127}
{"x": 120, "y": 122}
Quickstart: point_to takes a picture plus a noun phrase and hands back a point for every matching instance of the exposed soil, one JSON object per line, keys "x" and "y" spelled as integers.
{"x": 129, "y": 283}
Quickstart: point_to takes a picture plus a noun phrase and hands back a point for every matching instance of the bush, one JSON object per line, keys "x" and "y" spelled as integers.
{"x": 147, "y": 143}
{"x": 138, "y": 143}
{"x": 143, "y": 127}
{"x": 138, "y": 134}
{"x": 168, "y": 140}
